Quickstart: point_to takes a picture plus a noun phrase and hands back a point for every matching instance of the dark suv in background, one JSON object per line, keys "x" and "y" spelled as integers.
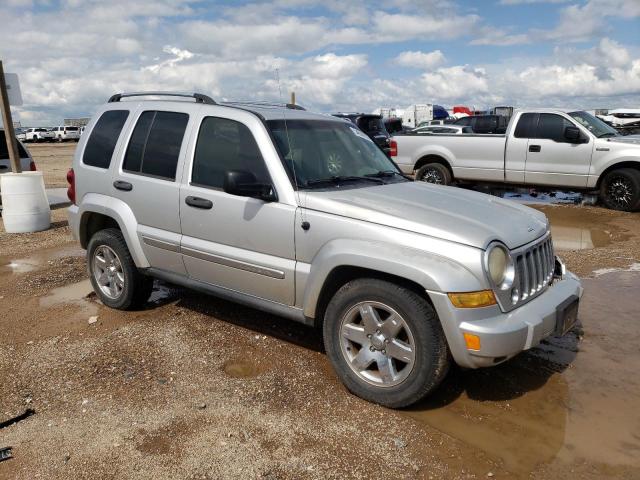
{"x": 372, "y": 125}
{"x": 485, "y": 123}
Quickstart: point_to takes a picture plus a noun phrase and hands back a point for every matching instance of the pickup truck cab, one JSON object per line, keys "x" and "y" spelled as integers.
{"x": 540, "y": 148}
{"x": 38, "y": 134}
{"x": 246, "y": 202}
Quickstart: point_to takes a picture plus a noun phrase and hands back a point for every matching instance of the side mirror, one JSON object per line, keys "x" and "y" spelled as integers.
{"x": 244, "y": 184}
{"x": 572, "y": 134}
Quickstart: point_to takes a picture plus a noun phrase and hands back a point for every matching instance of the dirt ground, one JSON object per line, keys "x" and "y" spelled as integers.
{"x": 53, "y": 160}
{"x": 196, "y": 387}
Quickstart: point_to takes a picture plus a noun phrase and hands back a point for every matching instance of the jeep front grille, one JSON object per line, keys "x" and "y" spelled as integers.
{"x": 534, "y": 270}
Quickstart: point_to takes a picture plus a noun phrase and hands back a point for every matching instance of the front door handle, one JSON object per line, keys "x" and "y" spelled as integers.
{"x": 198, "y": 202}
{"x": 535, "y": 148}
{"x": 121, "y": 185}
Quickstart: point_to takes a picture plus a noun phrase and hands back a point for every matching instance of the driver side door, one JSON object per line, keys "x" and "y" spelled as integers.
{"x": 239, "y": 243}
{"x": 552, "y": 159}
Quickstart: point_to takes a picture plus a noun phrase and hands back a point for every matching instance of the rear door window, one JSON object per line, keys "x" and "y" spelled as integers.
{"x": 526, "y": 126}
{"x": 103, "y": 139}
{"x": 551, "y": 127}
{"x": 155, "y": 144}
{"x": 223, "y": 145}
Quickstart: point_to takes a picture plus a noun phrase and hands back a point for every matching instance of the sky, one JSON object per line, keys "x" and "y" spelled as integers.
{"x": 337, "y": 55}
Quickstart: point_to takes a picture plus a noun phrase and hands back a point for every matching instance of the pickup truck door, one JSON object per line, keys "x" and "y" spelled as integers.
{"x": 515, "y": 154}
{"x": 238, "y": 243}
{"x": 552, "y": 159}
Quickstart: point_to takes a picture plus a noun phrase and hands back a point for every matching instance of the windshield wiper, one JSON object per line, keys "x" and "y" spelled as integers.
{"x": 338, "y": 179}
{"x": 605, "y": 134}
{"x": 384, "y": 174}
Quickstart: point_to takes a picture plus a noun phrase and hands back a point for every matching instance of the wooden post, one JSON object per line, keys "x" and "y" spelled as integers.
{"x": 9, "y": 132}
{"x": 293, "y": 98}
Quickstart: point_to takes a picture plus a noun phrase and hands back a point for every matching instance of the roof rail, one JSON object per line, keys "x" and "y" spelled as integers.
{"x": 199, "y": 97}
{"x": 290, "y": 106}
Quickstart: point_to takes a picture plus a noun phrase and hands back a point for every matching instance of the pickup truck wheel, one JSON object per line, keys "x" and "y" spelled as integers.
{"x": 385, "y": 342}
{"x": 434, "y": 173}
{"x": 114, "y": 276}
{"x": 620, "y": 190}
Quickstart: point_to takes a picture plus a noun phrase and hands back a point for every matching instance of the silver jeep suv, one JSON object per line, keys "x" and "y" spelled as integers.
{"x": 302, "y": 215}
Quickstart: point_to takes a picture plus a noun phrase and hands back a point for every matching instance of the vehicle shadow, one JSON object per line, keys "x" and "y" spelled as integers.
{"x": 524, "y": 373}
{"x": 246, "y": 317}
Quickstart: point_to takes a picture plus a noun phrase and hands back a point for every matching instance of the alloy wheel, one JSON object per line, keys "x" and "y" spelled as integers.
{"x": 108, "y": 272}
{"x": 620, "y": 191}
{"x": 432, "y": 176}
{"x": 377, "y": 344}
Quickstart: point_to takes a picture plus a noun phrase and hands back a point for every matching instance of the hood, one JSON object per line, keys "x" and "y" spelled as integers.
{"x": 453, "y": 214}
{"x": 629, "y": 139}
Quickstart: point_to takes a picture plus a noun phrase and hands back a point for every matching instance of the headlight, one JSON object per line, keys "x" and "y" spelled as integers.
{"x": 499, "y": 266}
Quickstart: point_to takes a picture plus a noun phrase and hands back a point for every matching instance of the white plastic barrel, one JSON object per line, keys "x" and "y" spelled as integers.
{"x": 25, "y": 207}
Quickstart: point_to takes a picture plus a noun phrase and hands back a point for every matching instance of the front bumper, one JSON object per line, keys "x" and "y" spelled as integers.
{"x": 502, "y": 335}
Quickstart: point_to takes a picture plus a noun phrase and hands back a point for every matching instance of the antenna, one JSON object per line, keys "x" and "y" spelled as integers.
{"x": 303, "y": 224}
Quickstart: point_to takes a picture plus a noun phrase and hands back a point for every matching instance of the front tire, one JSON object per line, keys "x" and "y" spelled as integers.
{"x": 113, "y": 274}
{"x": 434, "y": 173}
{"x": 385, "y": 342}
{"x": 620, "y": 190}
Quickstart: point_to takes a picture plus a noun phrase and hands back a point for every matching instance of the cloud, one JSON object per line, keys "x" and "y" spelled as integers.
{"x": 401, "y": 26}
{"x": 417, "y": 59}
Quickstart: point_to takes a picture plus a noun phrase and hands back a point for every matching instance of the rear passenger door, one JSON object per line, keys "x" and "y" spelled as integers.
{"x": 237, "y": 243}
{"x": 146, "y": 180}
{"x": 552, "y": 159}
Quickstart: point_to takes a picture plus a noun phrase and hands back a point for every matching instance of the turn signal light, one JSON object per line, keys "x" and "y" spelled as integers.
{"x": 472, "y": 341}
{"x": 483, "y": 298}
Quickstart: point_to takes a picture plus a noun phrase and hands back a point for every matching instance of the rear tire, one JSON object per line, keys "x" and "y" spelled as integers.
{"x": 385, "y": 342}
{"x": 434, "y": 173}
{"x": 113, "y": 273}
{"x": 620, "y": 190}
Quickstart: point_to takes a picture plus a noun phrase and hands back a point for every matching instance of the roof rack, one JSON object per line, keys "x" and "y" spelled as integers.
{"x": 199, "y": 97}
{"x": 290, "y": 106}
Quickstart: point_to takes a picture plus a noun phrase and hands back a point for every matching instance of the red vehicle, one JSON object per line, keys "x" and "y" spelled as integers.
{"x": 462, "y": 109}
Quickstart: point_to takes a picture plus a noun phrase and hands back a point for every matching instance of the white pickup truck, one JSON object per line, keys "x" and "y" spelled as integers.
{"x": 540, "y": 148}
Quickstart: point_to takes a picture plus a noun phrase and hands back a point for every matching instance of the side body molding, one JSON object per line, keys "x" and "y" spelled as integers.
{"x": 430, "y": 271}
{"x": 121, "y": 213}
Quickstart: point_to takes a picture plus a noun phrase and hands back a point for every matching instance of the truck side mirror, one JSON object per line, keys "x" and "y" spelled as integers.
{"x": 572, "y": 134}
{"x": 244, "y": 184}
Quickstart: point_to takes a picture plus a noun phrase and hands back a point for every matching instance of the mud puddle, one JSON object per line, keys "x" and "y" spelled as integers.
{"x": 581, "y": 229}
{"x": 570, "y": 401}
{"x": 38, "y": 260}
{"x": 77, "y": 295}
{"x": 240, "y": 369}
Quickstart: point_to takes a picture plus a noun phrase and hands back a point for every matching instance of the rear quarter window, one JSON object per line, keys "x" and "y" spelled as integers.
{"x": 526, "y": 126}
{"x": 103, "y": 139}
{"x": 155, "y": 144}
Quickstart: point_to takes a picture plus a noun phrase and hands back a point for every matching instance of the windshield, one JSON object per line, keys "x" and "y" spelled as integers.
{"x": 594, "y": 124}
{"x": 318, "y": 150}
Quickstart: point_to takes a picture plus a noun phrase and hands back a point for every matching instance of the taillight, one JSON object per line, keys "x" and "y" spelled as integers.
{"x": 32, "y": 166}
{"x": 393, "y": 148}
{"x": 71, "y": 191}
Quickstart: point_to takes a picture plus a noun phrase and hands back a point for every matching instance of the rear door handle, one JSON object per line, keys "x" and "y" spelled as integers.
{"x": 198, "y": 202}
{"x": 535, "y": 148}
{"x": 120, "y": 185}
